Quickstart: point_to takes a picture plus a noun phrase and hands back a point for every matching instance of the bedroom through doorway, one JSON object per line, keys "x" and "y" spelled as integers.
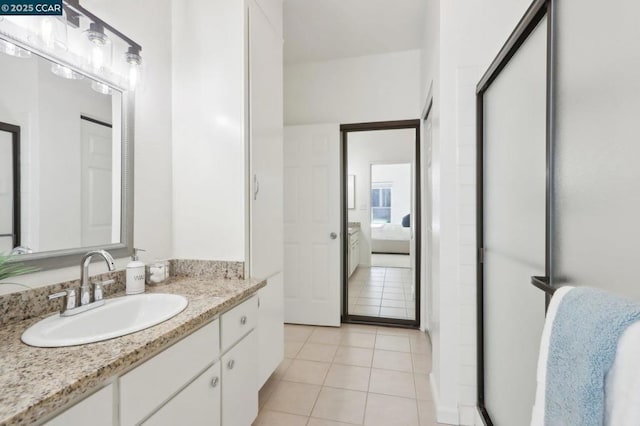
{"x": 381, "y": 220}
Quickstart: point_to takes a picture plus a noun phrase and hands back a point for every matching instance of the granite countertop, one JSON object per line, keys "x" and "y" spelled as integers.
{"x": 35, "y": 382}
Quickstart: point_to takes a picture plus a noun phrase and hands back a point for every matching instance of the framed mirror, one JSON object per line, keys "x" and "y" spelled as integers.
{"x": 66, "y": 162}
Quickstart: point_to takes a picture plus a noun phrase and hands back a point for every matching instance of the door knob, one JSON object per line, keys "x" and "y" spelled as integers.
{"x": 333, "y": 235}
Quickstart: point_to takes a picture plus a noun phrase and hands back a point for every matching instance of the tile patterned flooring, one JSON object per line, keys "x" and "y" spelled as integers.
{"x": 382, "y": 292}
{"x": 352, "y": 375}
{"x": 391, "y": 260}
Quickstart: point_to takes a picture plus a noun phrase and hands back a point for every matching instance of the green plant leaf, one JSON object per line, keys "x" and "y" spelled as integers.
{"x": 10, "y": 269}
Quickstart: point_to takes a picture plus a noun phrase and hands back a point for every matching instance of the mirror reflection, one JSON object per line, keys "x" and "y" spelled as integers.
{"x": 60, "y": 158}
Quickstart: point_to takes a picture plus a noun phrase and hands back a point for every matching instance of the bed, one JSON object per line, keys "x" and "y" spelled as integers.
{"x": 390, "y": 238}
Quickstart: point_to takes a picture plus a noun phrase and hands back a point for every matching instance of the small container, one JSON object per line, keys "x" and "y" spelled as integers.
{"x": 135, "y": 274}
{"x": 157, "y": 272}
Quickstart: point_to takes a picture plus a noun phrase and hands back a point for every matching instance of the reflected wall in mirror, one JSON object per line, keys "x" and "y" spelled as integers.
{"x": 68, "y": 193}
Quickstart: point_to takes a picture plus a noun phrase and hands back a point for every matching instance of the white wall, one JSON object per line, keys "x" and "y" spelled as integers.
{"x": 365, "y": 149}
{"x": 208, "y": 130}
{"x": 398, "y": 176}
{"x": 153, "y": 195}
{"x": 367, "y": 88}
{"x": 470, "y": 36}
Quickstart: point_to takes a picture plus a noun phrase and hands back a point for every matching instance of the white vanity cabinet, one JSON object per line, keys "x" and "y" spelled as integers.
{"x": 270, "y": 328}
{"x": 95, "y": 410}
{"x": 240, "y": 383}
{"x": 208, "y": 378}
{"x": 145, "y": 388}
{"x": 197, "y": 404}
{"x": 354, "y": 251}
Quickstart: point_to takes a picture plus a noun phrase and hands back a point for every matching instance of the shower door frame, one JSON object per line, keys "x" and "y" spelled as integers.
{"x": 538, "y": 11}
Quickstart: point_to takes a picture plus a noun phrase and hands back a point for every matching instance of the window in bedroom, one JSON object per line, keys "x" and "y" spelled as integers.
{"x": 381, "y": 203}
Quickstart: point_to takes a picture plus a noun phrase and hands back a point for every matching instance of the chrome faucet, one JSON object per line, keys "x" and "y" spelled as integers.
{"x": 85, "y": 288}
{"x": 70, "y": 306}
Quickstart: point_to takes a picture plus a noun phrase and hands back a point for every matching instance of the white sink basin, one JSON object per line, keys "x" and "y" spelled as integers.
{"x": 118, "y": 316}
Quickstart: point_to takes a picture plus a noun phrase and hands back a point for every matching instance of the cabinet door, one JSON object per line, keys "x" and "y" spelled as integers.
{"x": 240, "y": 383}
{"x": 96, "y": 410}
{"x": 265, "y": 135}
{"x": 146, "y": 387}
{"x": 270, "y": 327}
{"x": 197, "y": 404}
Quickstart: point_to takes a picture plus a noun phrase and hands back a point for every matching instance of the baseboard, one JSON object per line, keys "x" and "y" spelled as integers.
{"x": 446, "y": 415}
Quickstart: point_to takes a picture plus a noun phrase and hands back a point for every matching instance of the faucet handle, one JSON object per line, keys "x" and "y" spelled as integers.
{"x": 98, "y": 292}
{"x": 70, "y": 298}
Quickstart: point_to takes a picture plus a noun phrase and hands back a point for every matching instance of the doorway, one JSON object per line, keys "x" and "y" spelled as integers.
{"x": 381, "y": 222}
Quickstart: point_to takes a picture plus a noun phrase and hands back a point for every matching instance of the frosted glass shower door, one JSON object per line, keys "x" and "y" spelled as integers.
{"x": 514, "y": 217}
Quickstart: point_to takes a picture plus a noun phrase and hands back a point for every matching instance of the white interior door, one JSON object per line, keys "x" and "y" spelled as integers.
{"x": 96, "y": 178}
{"x": 312, "y": 224}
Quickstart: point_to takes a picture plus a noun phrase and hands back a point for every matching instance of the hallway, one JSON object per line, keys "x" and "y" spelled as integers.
{"x": 352, "y": 375}
{"x": 382, "y": 292}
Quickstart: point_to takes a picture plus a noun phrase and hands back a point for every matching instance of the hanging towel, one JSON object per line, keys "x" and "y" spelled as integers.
{"x": 537, "y": 415}
{"x": 622, "y": 388}
{"x": 582, "y": 348}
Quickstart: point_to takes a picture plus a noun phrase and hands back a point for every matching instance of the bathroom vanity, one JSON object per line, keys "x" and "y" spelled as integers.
{"x": 202, "y": 365}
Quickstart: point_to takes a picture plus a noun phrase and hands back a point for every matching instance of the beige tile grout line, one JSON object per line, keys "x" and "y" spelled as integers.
{"x": 323, "y": 385}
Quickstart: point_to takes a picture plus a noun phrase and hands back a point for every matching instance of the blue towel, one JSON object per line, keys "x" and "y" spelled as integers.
{"x": 582, "y": 348}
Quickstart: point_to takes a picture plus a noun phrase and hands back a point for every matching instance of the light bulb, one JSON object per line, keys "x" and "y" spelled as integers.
{"x": 46, "y": 32}
{"x": 134, "y": 76}
{"x": 13, "y": 50}
{"x": 97, "y": 57}
{"x": 134, "y": 60}
{"x": 64, "y": 72}
{"x": 101, "y": 88}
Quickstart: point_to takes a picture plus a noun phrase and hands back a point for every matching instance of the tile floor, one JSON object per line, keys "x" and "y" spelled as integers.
{"x": 352, "y": 375}
{"x": 382, "y": 292}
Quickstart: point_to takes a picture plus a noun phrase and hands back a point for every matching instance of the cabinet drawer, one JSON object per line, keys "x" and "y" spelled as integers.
{"x": 198, "y": 404}
{"x": 143, "y": 389}
{"x": 238, "y": 321}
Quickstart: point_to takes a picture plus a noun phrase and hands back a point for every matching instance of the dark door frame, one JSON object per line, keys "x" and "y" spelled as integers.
{"x": 345, "y": 129}
{"x": 538, "y": 11}
{"x": 15, "y": 161}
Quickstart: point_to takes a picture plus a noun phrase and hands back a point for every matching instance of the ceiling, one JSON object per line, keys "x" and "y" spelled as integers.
{"x": 320, "y": 30}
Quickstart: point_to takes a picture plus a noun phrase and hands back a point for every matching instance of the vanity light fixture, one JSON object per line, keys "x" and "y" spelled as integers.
{"x": 134, "y": 60}
{"x": 13, "y": 50}
{"x": 100, "y": 46}
{"x": 101, "y": 34}
{"x": 64, "y": 72}
{"x": 101, "y": 88}
{"x": 96, "y": 34}
{"x": 53, "y": 31}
